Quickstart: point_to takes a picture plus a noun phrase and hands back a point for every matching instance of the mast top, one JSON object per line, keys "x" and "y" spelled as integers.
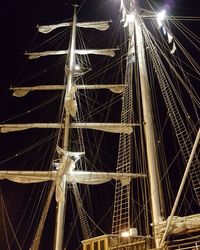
{"x": 75, "y": 6}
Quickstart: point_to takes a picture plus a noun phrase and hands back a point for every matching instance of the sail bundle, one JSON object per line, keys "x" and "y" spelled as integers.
{"x": 102, "y": 26}
{"x": 179, "y": 225}
{"x": 74, "y": 176}
{"x": 107, "y": 127}
{"x": 22, "y": 91}
{"x": 102, "y": 52}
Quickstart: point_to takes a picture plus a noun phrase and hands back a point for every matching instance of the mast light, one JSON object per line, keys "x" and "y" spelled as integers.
{"x": 77, "y": 67}
{"x": 161, "y": 16}
{"x": 125, "y": 234}
{"x": 130, "y": 232}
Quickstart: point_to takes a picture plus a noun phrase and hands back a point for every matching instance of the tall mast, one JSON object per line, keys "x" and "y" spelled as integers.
{"x": 149, "y": 129}
{"x": 69, "y": 65}
{"x": 152, "y": 158}
{"x": 150, "y": 140}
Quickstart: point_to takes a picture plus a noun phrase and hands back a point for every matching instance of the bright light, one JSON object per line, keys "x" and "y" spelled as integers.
{"x": 130, "y": 232}
{"x": 77, "y": 67}
{"x": 161, "y": 16}
{"x": 125, "y": 234}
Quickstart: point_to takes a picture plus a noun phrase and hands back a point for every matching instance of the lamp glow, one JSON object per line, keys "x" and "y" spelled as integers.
{"x": 77, "y": 67}
{"x": 130, "y": 232}
{"x": 161, "y": 16}
{"x": 125, "y": 234}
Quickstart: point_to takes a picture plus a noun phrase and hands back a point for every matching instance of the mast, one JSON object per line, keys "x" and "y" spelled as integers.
{"x": 152, "y": 159}
{"x": 60, "y": 216}
{"x": 148, "y": 124}
{"x": 63, "y": 175}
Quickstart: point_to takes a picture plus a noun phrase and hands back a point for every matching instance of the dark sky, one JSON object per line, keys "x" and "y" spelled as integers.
{"x": 18, "y": 22}
{"x": 19, "y": 18}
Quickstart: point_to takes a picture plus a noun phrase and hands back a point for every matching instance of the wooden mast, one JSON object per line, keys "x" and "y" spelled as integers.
{"x": 148, "y": 124}
{"x": 60, "y": 216}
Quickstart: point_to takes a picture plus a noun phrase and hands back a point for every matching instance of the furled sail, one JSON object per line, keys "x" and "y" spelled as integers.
{"x": 102, "y": 25}
{"x": 27, "y": 177}
{"x": 89, "y": 178}
{"x": 6, "y": 128}
{"x": 94, "y": 178}
{"x": 102, "y": 52}
{"x": 179, "y": 224}
{"x": 22, "y": 91}
{"x": 70, "y": 102}
{"x": 107, "y": 127}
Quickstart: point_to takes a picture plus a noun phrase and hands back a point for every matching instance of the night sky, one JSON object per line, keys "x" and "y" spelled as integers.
{"x": 18, "y": 22}
{"x": 19, "y": 19}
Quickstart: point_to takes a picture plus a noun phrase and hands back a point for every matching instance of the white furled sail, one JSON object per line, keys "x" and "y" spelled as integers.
{"x": 107, "y": 127}
{"x": 27, "y": 177}
{"x": 179, "y": 225}
{"x": 6, "y": 128}
{"x": 95, "y": 178}
{"x": 102, "y": 26}
{"x": 22, "y": 91}
{"x": 102, "y": 52}
{"x": 74, "y": 176}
